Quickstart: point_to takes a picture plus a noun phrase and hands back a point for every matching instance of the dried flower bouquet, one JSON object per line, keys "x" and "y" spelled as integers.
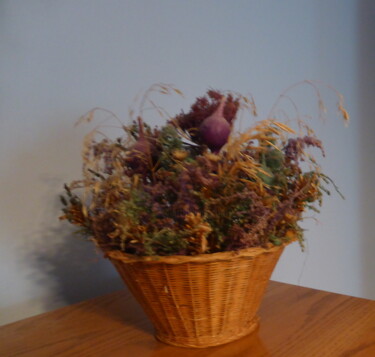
{"x": 194, "y": 186}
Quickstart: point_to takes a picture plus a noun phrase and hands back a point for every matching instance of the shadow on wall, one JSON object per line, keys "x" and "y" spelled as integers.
{"x": 63, "y": 266}
{"x": 366, "y": 83}
{"x": 72, "y": 267}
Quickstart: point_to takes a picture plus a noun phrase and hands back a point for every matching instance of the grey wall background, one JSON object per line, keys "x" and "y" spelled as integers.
{"x": 60, "y": 59}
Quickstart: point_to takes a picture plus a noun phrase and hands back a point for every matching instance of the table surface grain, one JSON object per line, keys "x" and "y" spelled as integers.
{"x": 295, "y": 321}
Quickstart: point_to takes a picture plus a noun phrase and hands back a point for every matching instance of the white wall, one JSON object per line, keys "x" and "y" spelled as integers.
{"x": 60, "y": 59}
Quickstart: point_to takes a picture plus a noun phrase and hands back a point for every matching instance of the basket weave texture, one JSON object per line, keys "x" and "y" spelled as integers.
{"x": 199, "y": 301}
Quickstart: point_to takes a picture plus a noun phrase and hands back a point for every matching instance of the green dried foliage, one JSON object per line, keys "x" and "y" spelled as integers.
{"x": 163, "y": 192}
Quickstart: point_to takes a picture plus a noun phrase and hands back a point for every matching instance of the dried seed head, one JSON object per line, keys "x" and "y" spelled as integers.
{"x": 214, "y": 130}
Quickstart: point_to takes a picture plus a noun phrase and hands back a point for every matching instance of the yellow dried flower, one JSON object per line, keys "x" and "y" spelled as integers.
{"x": 199, "y": 230}
{"x": 291, "y": 234}
{"x": 212, "y": 157}
{"x": 180, "y": 154}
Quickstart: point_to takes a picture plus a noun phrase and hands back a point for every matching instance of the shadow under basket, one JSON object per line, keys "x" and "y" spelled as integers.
{"x": 199, "y": 301}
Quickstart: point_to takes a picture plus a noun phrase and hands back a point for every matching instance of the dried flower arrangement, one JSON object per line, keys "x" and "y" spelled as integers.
{"x": 193, "y": 186}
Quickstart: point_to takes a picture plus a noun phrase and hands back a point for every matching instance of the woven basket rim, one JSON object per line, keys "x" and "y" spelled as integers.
{"x": 248, "y": 253}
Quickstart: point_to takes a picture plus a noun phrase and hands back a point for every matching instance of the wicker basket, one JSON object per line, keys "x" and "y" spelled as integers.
{"x": 200, "y": 301}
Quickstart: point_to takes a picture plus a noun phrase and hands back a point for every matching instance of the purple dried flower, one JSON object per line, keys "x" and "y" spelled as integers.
{"x": 294, "y": 148}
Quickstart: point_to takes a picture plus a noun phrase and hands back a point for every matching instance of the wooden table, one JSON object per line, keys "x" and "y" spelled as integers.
{"x": 295, "y": 321}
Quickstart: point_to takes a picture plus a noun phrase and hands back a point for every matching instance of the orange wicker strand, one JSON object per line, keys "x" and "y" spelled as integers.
{"x": 200, "y": 301}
